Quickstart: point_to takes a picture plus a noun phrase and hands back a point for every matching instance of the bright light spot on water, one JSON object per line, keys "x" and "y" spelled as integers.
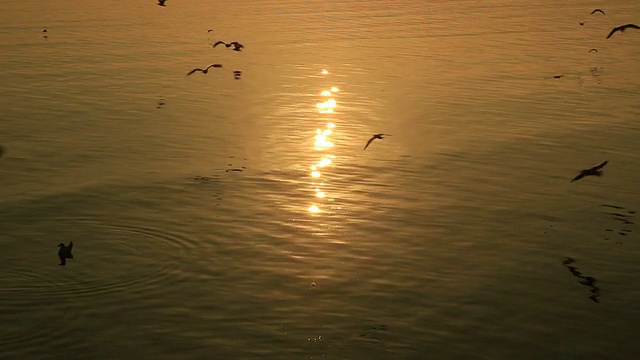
{"x": 325, "y": 93}
{"x": 335, "y": 89}
{"x": 320, "y": 194}
{"x": 315, "y": 174}
{"x": 325, "y": 71}
{"x": 313, "y": 209}
{"x": 331, "y": 125}
{"x": 324, "y": 162}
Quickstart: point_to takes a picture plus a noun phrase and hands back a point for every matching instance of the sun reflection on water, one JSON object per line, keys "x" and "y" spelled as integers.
{"x": 323, "y": 145}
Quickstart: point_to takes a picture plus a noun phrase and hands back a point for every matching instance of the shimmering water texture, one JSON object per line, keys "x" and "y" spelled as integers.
{"x": 235, "y": 213}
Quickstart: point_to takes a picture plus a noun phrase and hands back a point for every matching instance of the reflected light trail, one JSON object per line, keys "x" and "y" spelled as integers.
{"x": 323, "y": 144}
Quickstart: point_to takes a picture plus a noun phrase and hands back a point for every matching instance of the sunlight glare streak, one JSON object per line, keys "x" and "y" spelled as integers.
{"x": 323, "y": 143}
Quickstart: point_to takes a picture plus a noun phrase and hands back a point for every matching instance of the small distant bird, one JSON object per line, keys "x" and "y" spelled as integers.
{"x": 237, "y": 74}
{"x": 591, "y": 171}
{"x": 45, "y": 30}
{"x": 593, "y": 50}
{"x": 65, "y": 252}
{"x": 161, "y": 2}
{"x": 622, "y": 28}
{"x": 236, "y": 45}
{"x": 581, "y": 24}
{"x": 555, "y": 77}
{"x": 210, "y": 30}
{"x": 205, "y": 70}
{"x": 598, "y": 10}
{"x": 376, "y": 136}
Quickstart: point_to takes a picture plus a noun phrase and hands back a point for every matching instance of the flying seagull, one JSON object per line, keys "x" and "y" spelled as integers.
{"x": 65, "y": 252}
{"x": 598, "y": 10}
{"x": 555, "y": 77}
{"x": 581, "y": 23}
{"x": 591, "y": 171}
{"x": 376, "y": 136}
{"x": 161, "y": 2}
{"x": 45, "y": 30}
{"x": 622, "y": 28}
{"x": 210, "y": 30}
{"x": 236, "y": 45}
{"x": 593, "y": 50}
{"x": 205, "y": 70}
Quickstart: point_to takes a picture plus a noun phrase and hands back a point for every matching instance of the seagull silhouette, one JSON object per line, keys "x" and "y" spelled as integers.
{"x": 210, "y": 30}
{"x": 622, "y": 28}
{"x": 581, "y": 23}
{"x": 161, "y": 2}
{"x": 376, "y": 136}
{"x": 555, "y": 77}
{"x": 236, "y": 45}
{"x": 594, "y": 49}
{"x": 205, "y": 70}
{"x": 598, "y": 10}
{"x": 591, "y": 171}
{"x": 65, "y": 252}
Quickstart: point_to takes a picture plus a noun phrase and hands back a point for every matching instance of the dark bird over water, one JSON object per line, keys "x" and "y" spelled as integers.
{"x": 205, "y": 70}
{"x": 622, "y": 28}
{"x": 555, "y": 77}
{"x": 161, "y": 2}
{"x": 581, "y": 24}
{"x": 376, "y": 136}
{"x": 236, "y": 45}
{"x": 210, "y": 30}
{"x": 598, "y": 10}
{"x": 596, "y": 171}
{"x": 65, "y": 252}
{"x": 593, "y": 50}
{"x": 45, "y": 30}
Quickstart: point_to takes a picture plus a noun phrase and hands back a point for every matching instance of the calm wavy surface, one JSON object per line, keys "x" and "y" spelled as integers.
{"x": 216, "y": 218}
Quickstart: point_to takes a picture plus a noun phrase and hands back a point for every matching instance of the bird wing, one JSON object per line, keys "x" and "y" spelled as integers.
{"x": 613, "y": 31}
{"x": 194, "y": 70}
{"x": 598, "y": 10}
{"x": 210, "y": 30}
{"x": 633, "y": 26}
{"x": 579, "y": 176}
{"x": 218, "y": 43}
{"x": 600, "y": 166}
{"x": 596, "y": 50}
{"x": 68, "y": 254}
{"x": 369, "y": 142}
{"x": 62, "y": 257}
